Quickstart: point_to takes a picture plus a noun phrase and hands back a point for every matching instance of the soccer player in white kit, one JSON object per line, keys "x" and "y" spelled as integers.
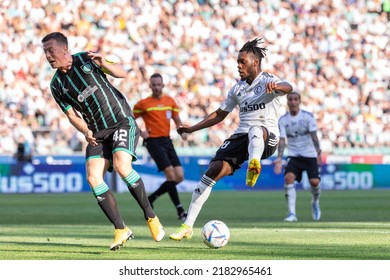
{"x": 299, "y": 127}
{"x": 257, "y": 96}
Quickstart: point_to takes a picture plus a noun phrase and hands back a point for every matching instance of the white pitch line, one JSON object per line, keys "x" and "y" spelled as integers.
{"x": 323, "y": 230}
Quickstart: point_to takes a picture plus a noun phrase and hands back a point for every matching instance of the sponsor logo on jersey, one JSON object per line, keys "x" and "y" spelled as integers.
{"x": 251, "y": 107}
{"x": 86, "y": 92}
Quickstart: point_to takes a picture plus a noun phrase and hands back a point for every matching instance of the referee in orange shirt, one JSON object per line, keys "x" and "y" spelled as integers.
{"x": 157, "y": 111}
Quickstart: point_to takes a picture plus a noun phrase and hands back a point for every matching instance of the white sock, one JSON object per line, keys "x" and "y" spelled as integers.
{"x": 315, "y": 193}
{"x": 199, "y": 197}
{"x": 256, "y": 142}
{"x": 291, "y": 196}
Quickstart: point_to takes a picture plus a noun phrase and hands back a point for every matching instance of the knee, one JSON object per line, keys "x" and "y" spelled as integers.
{"x": 122, "y": 163}
{"x": 122, "y": 169}
{"x": 218, "y": 170}
{"x": 94, "y": 180}
{"x": 174, "y": 174}
{"x": 314, "y": 183}
{"x": 175, "y": 178}
{"x": 214, "y": 169}
{"x": 179, "y": 179}
{"x": 289, "y": 178}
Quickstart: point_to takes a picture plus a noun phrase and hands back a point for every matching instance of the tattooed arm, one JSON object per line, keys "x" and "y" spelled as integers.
{"x": 316, "y": 144}
{"x": 278, "y": 161}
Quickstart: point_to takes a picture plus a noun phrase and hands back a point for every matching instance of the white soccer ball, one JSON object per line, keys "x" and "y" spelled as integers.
{"x": 215, "y": 234}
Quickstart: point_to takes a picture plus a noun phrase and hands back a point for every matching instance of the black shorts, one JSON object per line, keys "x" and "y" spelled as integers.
{"x": 162, "y": 151}
{"x": 297, "y": 165}
{"x": 122, "y": 137}
{"x": 234, "y": 150}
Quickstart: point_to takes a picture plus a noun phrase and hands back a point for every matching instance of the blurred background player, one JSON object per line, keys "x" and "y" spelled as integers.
{"x": 24, "y": 150}
{"x": 157, "y": 111}
{"x": 80, "y": 86}
{"x": 258, "y": 96}
{"x": 298, "y": 130}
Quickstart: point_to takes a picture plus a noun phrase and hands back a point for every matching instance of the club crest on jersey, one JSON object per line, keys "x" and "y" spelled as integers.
{"x": 87, "y": 68}
{"x": 258, "y": 90}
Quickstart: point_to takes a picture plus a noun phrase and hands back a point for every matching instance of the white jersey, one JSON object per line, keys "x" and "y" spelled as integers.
{"x": 297, "y": 130}
{"x": 257, "y": 107}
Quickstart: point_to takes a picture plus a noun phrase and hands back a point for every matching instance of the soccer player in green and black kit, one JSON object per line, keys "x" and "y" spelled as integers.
{"x": 80, "y": 87}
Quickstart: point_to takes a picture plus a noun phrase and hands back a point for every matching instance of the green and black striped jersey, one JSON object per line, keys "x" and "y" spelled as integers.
{"x": 86, "y": 88}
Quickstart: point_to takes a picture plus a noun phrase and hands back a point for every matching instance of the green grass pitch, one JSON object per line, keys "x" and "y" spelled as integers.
{"x": 355, "y": 225}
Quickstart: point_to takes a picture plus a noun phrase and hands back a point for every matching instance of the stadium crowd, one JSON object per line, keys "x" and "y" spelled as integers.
{"x": 335, "y": 53}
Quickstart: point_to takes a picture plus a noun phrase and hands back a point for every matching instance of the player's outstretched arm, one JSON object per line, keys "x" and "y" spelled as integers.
{"x": 316, "y": 144}
{"x": 284, "y": 87}
{"x": 278, "y": 160}
{"x": 113, "y": 69}
{"x": 212, "y": 119}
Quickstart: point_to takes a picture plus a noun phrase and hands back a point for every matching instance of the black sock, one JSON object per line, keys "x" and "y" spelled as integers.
{"x": 137, "y": 190}
{"x": 180, "y": 209}
{"x": 107, "y": 203}
{"x": 160, "y": 191}
{"x": 174, "y": 195}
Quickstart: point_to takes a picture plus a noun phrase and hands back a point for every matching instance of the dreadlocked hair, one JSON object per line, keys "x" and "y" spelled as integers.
{"x": 252, "y": 46}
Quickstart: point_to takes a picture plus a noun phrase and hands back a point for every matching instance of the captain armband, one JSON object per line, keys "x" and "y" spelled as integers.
{"x": 109, "y": 61}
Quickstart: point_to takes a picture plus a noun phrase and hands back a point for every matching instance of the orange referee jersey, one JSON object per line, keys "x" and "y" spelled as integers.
{"x": 157, "y": 114}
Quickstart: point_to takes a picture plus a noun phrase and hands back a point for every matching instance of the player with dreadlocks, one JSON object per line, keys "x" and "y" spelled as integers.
{"x": 258, "y": 96}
